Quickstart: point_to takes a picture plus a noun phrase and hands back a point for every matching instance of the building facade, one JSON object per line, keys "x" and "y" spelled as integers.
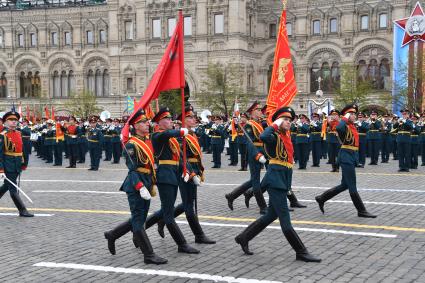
{"x": 49, "y": 51}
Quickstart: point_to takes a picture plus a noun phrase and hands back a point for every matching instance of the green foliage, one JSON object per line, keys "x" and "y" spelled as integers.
{"x": 351, "y": 89}
{"x": 171, "y": 99}
{"x": 82, "y": 104}
{"x": 222, "y": 85}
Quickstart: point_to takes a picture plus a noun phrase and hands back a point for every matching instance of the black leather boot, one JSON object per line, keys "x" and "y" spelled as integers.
{"x": 298, "y": 246}
{"x": 327, "y": 195}
{"x": 177, "y": 211}
{"x": 293, "y": 200}
{"x": 261, "y": 202}
{"x": 358, "y": 203}
{"x": 117, "y": 233}
{"x": 200, "y": 237}
{"x": 145, "y": 245}
{"x": 152, "y": 220}
{"x": 23, "y": 212}
{"x": 238, "y": 191}
{"x": 248, "y": 195}
{"x": 248, "y": 234}
{"x": 178, "y": 237}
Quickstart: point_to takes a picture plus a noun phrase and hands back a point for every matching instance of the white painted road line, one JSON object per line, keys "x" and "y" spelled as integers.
{"x": 36, "y": 215}
{"x": 78, "y": 192}
{"x": 370, "y": 202}
{"x": 72, "y": 181}
{"x": 329, "y": 231}
{"x": 198, "y": 276}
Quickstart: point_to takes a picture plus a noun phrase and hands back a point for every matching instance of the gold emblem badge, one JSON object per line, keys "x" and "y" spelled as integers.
{"x": 283, "y": 69}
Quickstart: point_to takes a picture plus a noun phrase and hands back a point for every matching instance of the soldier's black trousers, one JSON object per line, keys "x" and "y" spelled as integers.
{"x": 243, "y": 150}
{"x": 386, "y": 149}
{"x": 58, "y": 149}
{"x": 167, "y": 195}
{"x": 95, "y": 156}
{"x": 116, "y": 151}
{"x": 73, "y": 154}
{"x": 216, "y": 151}
{"x": 404, "y": 155}
{"x": 373, "y": 146}
{"x": 233, "y": 149}
{"x": 49, "y": 152}
{"x": 316, "y": 149}
{"x": 333, "y": 153}
{"x": 362, "y": 152}
{"x": 108, "y": 150}
{"x": 139, "y": 210}
{"x": 188, "y": 193}
{"x": 7, "y": 186}
{"x": 423, "y": 152}
{"x": 324, "y": 149}
{"x": 303, "y": 151}
{"x": 415, "y": 155}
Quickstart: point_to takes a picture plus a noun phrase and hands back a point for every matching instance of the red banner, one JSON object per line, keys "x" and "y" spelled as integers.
{"x": 283, "y": 87}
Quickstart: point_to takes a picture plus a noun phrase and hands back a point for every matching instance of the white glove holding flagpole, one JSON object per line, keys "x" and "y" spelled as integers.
{"x": 3, "y": 176}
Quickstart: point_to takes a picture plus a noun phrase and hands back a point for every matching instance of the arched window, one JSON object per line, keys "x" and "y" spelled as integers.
{"x": 71, "y": 82}
{"x": 3, "y": 85}
{"x": 106, "y": 90}
{"x": 99, "y": 83}
{"x": 384, "y": 78}
{"x": 64, "y": 84}
{"x": 326, "y": 76}
{"x": 90, "y": 82}
{"x": 373, "y": 73}
{"x": 36, "y": 84}
{"x": 56, "y": 84}
{"x": 314, "y": 76}
{"x": 362, "y": 71}
{"x": 335, "y": 76}
{"x": 316, "y": 27}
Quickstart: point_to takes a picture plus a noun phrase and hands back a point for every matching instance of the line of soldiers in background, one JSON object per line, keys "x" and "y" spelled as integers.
{"x": 404, "y": 137}
{"x": 74, "y": 139}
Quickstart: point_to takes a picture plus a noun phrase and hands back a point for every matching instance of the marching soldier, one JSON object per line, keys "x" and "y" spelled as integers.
{"x": 302, "y": 141}
{"x": 277, "y": 180}
{"x": 71, "y": 134}
{"x": 95, "y": 139}
{"x": 107, "y": 139}
{"x": 243, "y": 142}
{"x": 316, "y": 139}
{"x": 374, "y": 137}
{"x": 348, "y": 160}
{"x": 362, "y": 128}
{"x": 12, "y": 160}
{"x": 386, "y": 139}
{"x": 333, "y": 141}
{"x": 217, "y": 132}
{"x": 414, "y": 141}
{"x": 168, "y": 158}
{"x": 404, "y": 131}
{"x": 189, "y": 190}
{"x": 139, "y": 186}
{"x": 115, "y": 140}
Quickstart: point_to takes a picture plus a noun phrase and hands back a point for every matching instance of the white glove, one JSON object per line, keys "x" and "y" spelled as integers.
{"x": 196, "y": 180}
{"x": 299, "y": 124}
{"x": 278, "y": 122}
{"x": 185, "y": 177}
{"x": 2, "y": 176}
{"x": 262, "y": 159}
{"x": 347, "y": 115}
{"x": 214, "y": 126}
{"x": 144, "y": 193}
{"x": 185, "y": 131}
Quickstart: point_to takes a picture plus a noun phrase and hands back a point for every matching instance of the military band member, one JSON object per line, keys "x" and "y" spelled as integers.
{"x": 233, "y": 143}
{"x": 189, "y": 190}
{"x": 59, "y": 144}
{"x": 216, "y": 133}
{"x": 347, "y": 159}
{"x": 107, "y": 139}
{"x": 82, "y": 140}
{"x": 139, "y": 186}
{"x": 115, "y": 130}
{"x": 374, "y": 137}
{"x": 294, "y": 128}
{"x": 168, "y": 158}
{"x": 243, "y": 142}
{"x": 49, "y": 140}
{"x": 12, "y": 160}
{"x": 404, "y": 131}
{"x": 386, "y": 139}
{"x": 362, "y": 128}
{"x": 278, "y": 147}
{"x": 302, "y": 141}
{"x": 393, "y": 134}
{"x": 414, "y": 141}
{"x": 95, "y": 139}
{"x": 333, "y": 140}
{"x": 316, "y": 139}
{"x": 71, "y": 135}
{"x": 26, "y": 138}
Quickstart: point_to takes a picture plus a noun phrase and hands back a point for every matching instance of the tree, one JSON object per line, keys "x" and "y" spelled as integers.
{"x": 351, "y": 89}
{"x": 406, "y": 96}
{"x": 223, "y": 84}
{"x": 83, "y": 104}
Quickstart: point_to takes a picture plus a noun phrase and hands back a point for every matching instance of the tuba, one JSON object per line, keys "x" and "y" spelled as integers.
{"x": 105, "y": 115}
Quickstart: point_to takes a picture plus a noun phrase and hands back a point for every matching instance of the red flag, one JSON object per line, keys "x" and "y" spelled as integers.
{"x": 168, "y": 75}
{"x": 149, "y": 112}
{"x": 283, "y": 87}
{"x": 53, "y": 114}
{"x": 46, "y": 112}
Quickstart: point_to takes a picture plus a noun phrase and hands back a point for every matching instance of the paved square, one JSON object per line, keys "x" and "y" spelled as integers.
{"x": 65, "y": 242}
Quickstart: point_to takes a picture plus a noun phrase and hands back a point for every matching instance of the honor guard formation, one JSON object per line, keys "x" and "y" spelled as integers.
{"x": 164, "y": 157}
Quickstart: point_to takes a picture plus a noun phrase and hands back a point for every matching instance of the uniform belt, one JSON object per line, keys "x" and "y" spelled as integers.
{"x": 72, "y": 136}
{"x": 258, "y": 143}
{"x": 362, "y": 134}
{"x": 13, "y": 154}
{"x": 355, "y": 148}
{"x": 332, "y": 132}
{"x": 50, "y": 138}
{"x": 315, "y": 133}
{"x": 107, "y": 135}
{"x": 302, "y": 135}
{"x": 168, "y": 162}
{"x": 193, "y": 160}
{"x": 281, "y": 163}
{"x": 373, "y": 130}
{"x": 404, "y": 132}
{"x": 217, "y": 137}
{"x": 92, "y": 140}
{"x": 144, "y": 170}
{"x": 414, "y": 135}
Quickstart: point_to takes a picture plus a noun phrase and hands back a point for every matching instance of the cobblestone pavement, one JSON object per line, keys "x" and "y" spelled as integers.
{"x": 65, "y": 241}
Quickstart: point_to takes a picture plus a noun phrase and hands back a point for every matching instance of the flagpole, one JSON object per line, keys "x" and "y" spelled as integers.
{"x": 182, "y": 83}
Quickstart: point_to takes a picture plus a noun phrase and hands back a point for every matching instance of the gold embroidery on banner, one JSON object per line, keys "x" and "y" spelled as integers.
{"x": 283, "y": 69}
